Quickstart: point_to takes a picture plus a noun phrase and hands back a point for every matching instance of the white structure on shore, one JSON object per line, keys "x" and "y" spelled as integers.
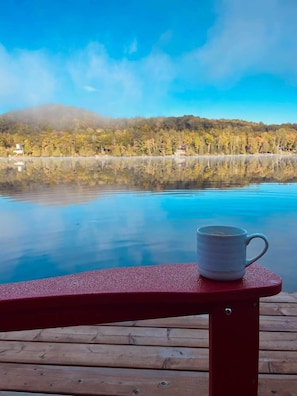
{"x": 19, "y": 149}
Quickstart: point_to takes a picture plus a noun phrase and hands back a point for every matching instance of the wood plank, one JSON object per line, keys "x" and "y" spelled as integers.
{"x": 281, "y": 297}
{"x": 277, "y": 385}
{"x": 89, "y": 381}
{"x": 278, "y": 341}
{"x": 115, "y": 335}
{"x": 105, "y": 355}
{"x": 12, "y": 393}
{"x": 278, "y": 362}
{"x": 190, "y": 322}
{"x": 128, "y": 356}
{"x": 23, "y": 335}
{"x": 278, "y": 323}
{"x": 278, "y": 308}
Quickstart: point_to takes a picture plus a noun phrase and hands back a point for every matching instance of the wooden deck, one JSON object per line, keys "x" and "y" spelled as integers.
{"x": 152, "y": 357}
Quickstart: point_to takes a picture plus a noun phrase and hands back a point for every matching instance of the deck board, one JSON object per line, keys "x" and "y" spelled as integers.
{"x": 166, "y": 356}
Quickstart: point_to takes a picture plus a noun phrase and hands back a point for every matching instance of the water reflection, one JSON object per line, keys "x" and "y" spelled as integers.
{"x": 64, "y": 216}
{"x": 44, "y": 180}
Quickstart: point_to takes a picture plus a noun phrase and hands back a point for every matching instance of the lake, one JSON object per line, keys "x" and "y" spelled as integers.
{"x": 68, "y": 215}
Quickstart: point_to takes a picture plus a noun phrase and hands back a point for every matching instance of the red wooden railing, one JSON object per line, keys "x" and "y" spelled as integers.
{"x": 153, "y": 292}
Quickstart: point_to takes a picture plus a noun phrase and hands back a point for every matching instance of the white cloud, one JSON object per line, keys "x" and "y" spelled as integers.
{"x": 250, "y": 37}
{"x": 159, "y": 67}
{"x": 119, "y": 87}
{"x": 89, "y": 88}
{"x": 26, "y": 78}
{"x": 133, "y": 47}
{"x": 122, "y": 84}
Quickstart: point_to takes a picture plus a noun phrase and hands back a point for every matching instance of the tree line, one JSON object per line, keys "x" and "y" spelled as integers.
{"x": 161, "y": 136}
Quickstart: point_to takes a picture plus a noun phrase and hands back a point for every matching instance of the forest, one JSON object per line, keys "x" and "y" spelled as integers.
{"x": 57, "y": 131}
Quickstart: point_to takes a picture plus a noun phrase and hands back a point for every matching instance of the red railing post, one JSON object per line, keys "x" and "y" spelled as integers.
{"x": 234, "y": 348}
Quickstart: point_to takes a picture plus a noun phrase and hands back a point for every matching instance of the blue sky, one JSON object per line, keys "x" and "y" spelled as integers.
{"x": 125, "y": 58}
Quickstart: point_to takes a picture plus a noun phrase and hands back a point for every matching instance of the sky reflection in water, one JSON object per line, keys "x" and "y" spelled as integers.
{"x": 143, "y": 228}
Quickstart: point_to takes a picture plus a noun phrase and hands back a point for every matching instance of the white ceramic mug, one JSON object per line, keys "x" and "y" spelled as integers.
{"x": 221, "y": 251}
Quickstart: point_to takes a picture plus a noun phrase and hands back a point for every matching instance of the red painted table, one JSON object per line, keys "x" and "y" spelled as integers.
{"x": 153, "y": 292}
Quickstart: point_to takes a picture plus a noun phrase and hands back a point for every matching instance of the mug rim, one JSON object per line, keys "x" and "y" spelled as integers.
{"x": 221, "y": 231}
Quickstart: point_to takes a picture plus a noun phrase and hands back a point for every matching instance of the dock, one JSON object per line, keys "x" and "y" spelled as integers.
{"x": 150, "y": 357}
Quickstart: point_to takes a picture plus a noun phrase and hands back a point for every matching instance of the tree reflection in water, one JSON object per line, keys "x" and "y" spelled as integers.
{"x": 88, "y": 176}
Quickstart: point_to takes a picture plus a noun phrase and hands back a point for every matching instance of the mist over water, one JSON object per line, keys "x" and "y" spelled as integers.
{"x": 60, "y": 216}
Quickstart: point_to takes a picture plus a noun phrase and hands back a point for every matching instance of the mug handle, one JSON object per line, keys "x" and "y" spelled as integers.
{"x": 248, "y": 240}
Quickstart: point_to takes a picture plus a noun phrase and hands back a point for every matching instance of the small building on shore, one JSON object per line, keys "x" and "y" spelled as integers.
{"x": 19, "y": 149}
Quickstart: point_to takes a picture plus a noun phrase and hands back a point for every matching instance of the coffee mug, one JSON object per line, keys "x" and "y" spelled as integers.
{"x": 221, "y": 252}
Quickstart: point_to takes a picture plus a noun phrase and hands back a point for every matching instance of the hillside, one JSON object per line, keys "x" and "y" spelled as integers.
{"x": 55, "y": 116}
{"x": 60, "y": 117}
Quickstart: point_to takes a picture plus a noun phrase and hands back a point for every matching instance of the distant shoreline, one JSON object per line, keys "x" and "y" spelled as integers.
{"x": 179, "y": 157}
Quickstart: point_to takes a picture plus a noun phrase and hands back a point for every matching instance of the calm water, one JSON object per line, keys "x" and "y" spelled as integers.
{"x": 64, "y": 216}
